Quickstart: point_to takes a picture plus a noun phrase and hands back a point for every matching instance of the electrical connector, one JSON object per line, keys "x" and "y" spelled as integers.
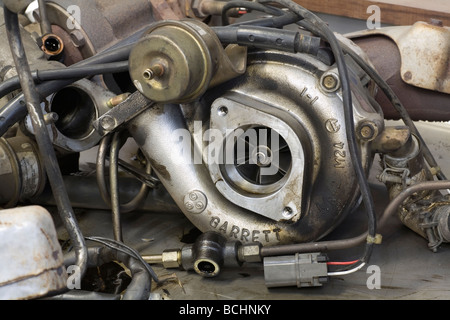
{"x": 301, "y": 270}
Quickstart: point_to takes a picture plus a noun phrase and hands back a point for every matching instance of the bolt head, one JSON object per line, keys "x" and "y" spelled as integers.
{"x": 330, "y": 82}
{"x": 108, "y": 123}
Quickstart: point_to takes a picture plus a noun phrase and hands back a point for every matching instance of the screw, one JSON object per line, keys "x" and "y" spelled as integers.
{"x": 368, "y": 131}
{"x": 50, "y": 117}
{"x": 288, "y": 212}
{"x": 193, "y": 196}
{"x": 189, "y": 205}
{"x": 222, "y": 111}
{"x": 330, "y": 82}
{"x": 107, "y": 123}
{"x": 115, "y": 101}
{"x": 199, "y": 205}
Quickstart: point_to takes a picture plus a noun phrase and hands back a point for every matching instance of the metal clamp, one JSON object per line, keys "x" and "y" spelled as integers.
{"x": 122, "y": 113}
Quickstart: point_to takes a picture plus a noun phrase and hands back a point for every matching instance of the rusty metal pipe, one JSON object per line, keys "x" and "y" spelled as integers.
{"x": 421, "y": 104}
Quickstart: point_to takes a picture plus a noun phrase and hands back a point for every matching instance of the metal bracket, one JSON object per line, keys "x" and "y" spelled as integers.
{"x": 122, "y": 113}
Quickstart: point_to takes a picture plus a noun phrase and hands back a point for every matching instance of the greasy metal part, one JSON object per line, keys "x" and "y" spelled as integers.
{"x": 391, "y": 139}
{"x": 37, "y": 59}
{"x": 208, "y": 255}
{"x": 250, "y": 252}
{"x": 125, "y": 111}
{"x": 160, "y": 128}
{"x": 21, "y": 170}
{"x": 425, "y": 211}
{"x": 408, "y": 157}
{"x": 273, "y": 147}
{"x": 84, "y": 194}
{"x": 414, "y": 219}
{"x": 115, "y": 101}
{"x": 97, "y": 24}
{"x": 15, "y": 110}
{"x": 300, "y": 270}
{"x": 78, "y": 106}
{"x": 170, "y": 9}
{"x": 46, "y": 150}
{"x": 17, "y": 6}
{"x": 52, "y": 45}
{"x": 141, "y": 283}
{"x": 106, "y": 195}
{"x": 176, "y": 61}
{"x": 204, "y": 8}
{"x": 427, "y": 44}
{"x": 384, "y": 53}
{"x": 441, "y": 218}
{"x": 32, "y": 260}
{"x": 116, "y": 144}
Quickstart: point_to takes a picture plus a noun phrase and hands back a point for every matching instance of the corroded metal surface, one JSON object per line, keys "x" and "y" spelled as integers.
{"x": 422, "y": 104}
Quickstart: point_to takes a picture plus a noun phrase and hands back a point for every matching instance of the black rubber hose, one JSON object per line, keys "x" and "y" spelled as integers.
{"x": 268, "y": 38}
{"x": 47, "y": 153}
{"x": 248, "y": 5}
{"x": 46, "y": 27}
{"x": 138, "y": 289}
{"x": 40, "y": 76}
{"x": 273, "y": 22}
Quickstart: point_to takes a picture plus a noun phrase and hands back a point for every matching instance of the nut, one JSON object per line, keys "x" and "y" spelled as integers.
{"x": 171, "y": 258}
{"x": 250, "y": 252}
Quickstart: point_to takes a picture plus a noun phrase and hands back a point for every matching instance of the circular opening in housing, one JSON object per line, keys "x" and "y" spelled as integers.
{"x": 222, "y": 111}
{"x": 52, "y": 45}
{"x": 207, "y": 268}
{"x": 76, "y": 112}
{"x": 268, "y": 149}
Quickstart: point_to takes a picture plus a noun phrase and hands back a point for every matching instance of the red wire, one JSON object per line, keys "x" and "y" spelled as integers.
{"x": 344, "y": 263}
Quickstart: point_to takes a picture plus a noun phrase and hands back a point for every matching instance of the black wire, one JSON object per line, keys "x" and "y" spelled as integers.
{"x": 46, "y": 27}
{"x": 15, "y": 110}
{"x": 46, "y": 151}
{"x": 325, "y": 32}
{"x": 399, "y": 107}
{"x": 272, "y": 22}
{"x": 119, "y": 246}
{"x": 40, "y": 76}
{"x": 248, "y": 5}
